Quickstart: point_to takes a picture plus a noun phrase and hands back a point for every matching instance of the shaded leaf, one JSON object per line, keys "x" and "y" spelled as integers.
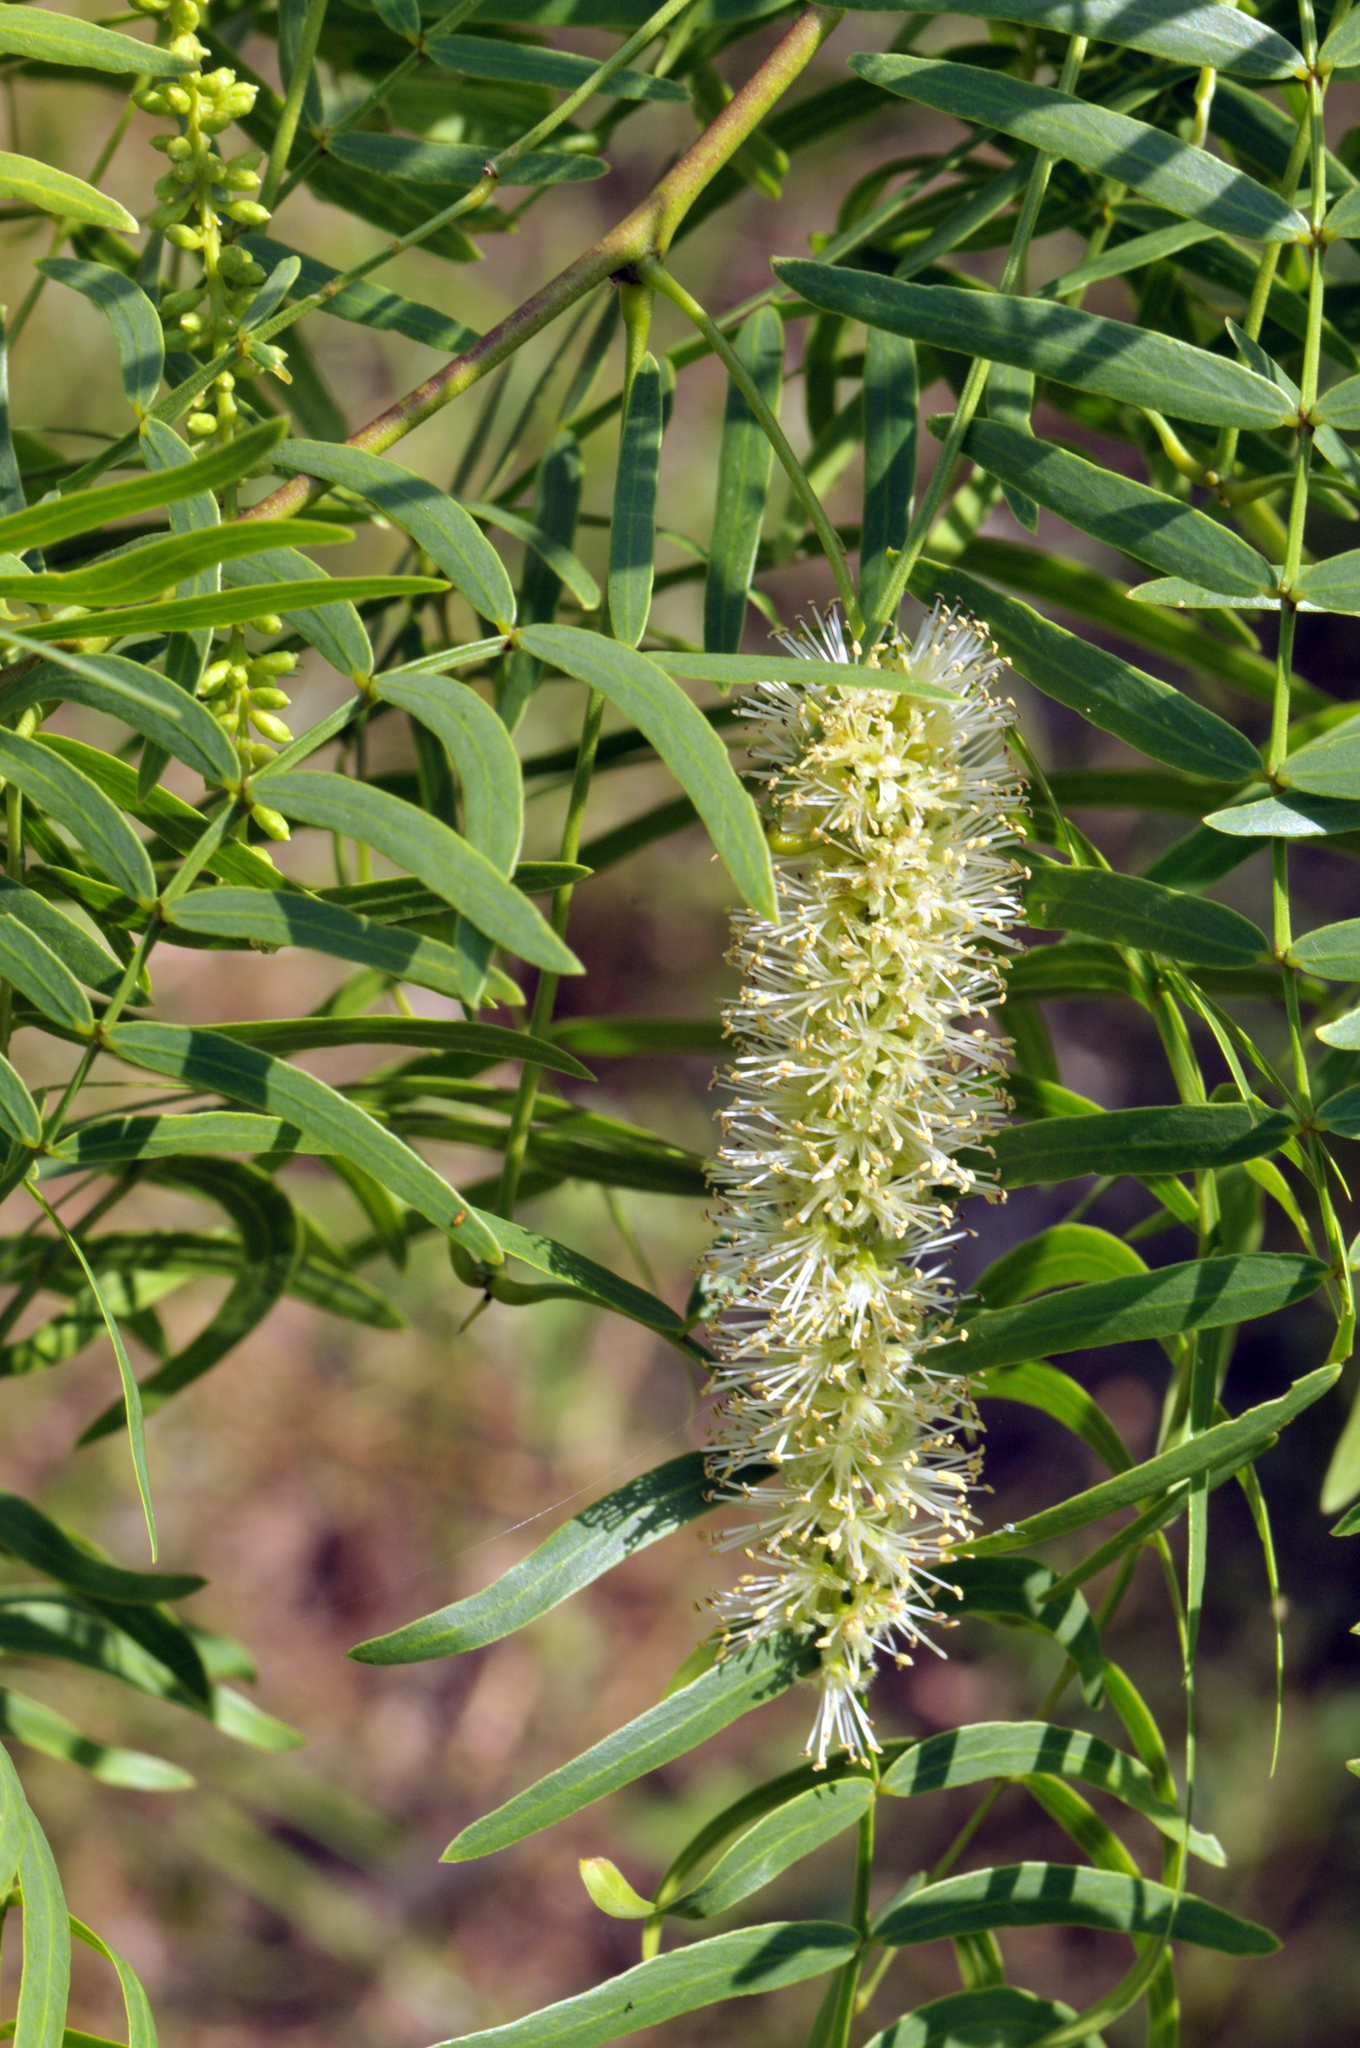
{"x": 1174, "y": 174}
{"x": 1176, "y": 1139}
{"x": 1071, "y": 347}
{"x": 1062, "y": 1895}
{"x": 57, "y": 193}
{"x": 775, "y": 1843}
{"x": 1127, "y": 910}
{"x": 997, "y": 2016}
{"x": 744, "y": 460}
{"x": 130, "y": 691}
{"x": 632, "y": 525}
{"x": 73, "y": 800}
{"x": 1177, "y": 29}
{"x": 135, "y": 322}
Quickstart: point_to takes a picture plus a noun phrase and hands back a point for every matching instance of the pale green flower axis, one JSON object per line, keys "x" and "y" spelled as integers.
{"x": 862, "y": 1073}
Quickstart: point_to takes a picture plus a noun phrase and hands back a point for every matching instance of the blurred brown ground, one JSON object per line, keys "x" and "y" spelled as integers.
{"x": 333, "y": 1481}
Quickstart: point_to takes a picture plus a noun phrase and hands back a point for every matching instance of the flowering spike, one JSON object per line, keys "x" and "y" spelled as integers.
{"x": 860, "y": 1093}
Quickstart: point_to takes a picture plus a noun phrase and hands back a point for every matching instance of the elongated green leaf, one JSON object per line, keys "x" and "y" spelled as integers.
{"x": 1039, "y": 1385}
{"x": 112, "y": 1139}
{"x": 443, "y": 860}
{"x": 32, "y": 1537}
{"x": 141, "y": 2025}
{"x": 1333, "y": 951}
{"x": 1340, "y": 407}
{"x": 997, "y": 2016}
{"x": 85, "y": 511}
{"x": 1344, "y": 1032}
{"x": 1329, "y": 767}
{"x": 1331, "y": 586}
{"x": 1123, "y": 514}
{"x": 1184, "y": 33}
{"x": 1295, "y": 816}
{"x": 1111, "y": 693}
{"x": 729, "y": 1966}
{"x": 582, "y": 1550}
{"x": 678, "y": 1724}
{"x": 436, "y": 522}
{"x": 1226, "y": 1444}
{"x": 1174, "y": 174}
{"x": 682, "y": 737}
{"x": 335, "y": 630}
{"x": 135, "y": 322}
{"x": 39, "y": 1728}
{"x": 781, "y": 1839}
{"x": 632, "y": 526}
{"x": 567, "y": 567}
{"x": 480, "y": 57}
{"x": 1020, "y": 1591}
{"x": 62, "y": 39}
{"x": 1204, "y": 1294}
{"x": 208, "y": 1060}
{"x": 744, "y": 460}
{"x": 144, "y": 570}
{"x": 37, "y": 973}
{"x": 284, "y": 918}
{"x": 228, "y": 607}
{"x": 74, "y": 801}
{"x": 432, "y": 164}
{"x": 572, "y": 1276}
{"x": 629, "y": 1037}
{"x": 1063, "y": 1895}
{"x": 482, "y": 753}
{"x": 730, "y": 671}
{"x": 1126, "y": 910}
{"x": 1071, "y": 347}
{"x": 1062, "y": 1256}
{"x": 142, "y": 699}
{"x": 19, "y": 1116}
{"x": 1341, "y": 46}
{"x": 173, "y": 820}
{"x": 486, "y": 1043}
{"x": 1179, "y": 1139}
{"x": 1012, "y": 1749}
{"x": 366, "y": 304}
{"x": 56, "y": 192}
{"x": 890, "y": 410}
{"x": 45, "y": 1982}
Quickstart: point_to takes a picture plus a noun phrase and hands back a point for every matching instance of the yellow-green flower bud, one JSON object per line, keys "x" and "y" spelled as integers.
{"x": 272, "y": 823}
{"x": 201, "y": 424}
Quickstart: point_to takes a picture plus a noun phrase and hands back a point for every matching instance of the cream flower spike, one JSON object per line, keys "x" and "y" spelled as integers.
{"x": 858, "y": 1083}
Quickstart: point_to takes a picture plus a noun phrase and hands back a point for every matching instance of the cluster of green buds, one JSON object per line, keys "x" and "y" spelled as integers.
{"x": 242, "y": 692}
{"x": 203, "y": 197}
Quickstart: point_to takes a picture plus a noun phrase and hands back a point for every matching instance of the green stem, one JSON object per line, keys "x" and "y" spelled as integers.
{"x": 304, "y": 61}
{"x": 832, "y": 2028}
{"x": 14, "y": 868}
{"x": 893, "y": 591}
{"x": 661, "y": 280}
{"x": 545, "y": 994}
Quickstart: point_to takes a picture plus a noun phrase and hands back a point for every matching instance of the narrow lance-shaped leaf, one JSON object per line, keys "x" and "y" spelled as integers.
{"x": 135, "y": 322}
{"x": 486, "y": 762}
{"x": 441, "y": 858}
{"x": 963, "y": 2019}
{"x": 59, "y": 194}
{"x": 780, "y": 665}
{"x": 45, "y": 1982}
{"x": 18, "y": 1111}
{"x": 130, "y": 691}
{"x": 1128, "y": 910}
{"x": 1012, "y": 1749}
{"x": 74, "y": 801}
{"x": 1225, "y": 1445}
{"x": 436, "y": 522}
{"x": 1112, "y": 694}
{"x": 1064, "y": 1895}
{"x": 1181, "y": 1139}
{"x": 1176, "y": 29}
{"x": 51, "y": 1734}
{"x": 582, "y": 1550}
{"x": 62, "y": 39}
{"x": 364, "y": 303}
{"x": 479, "y": 57}
{"x": 228, "y": 607}
{"x": 1202, "y": 1294}
{"x": 1174, "y": 174}
{"x": 429, "y": 163}
{"x": 678, "y": 1724}
{"x": 37, "y": 973}
{"x": 781, "y": 1839}
{"x": 1071, "y": 347}
{"x": 147, "y": 568}
{"x": 333, "y": 627}
{"x": 729, "y": 1966}
{"x": 682, "y": 737}
{"x": 744, "y": 460}
{"x": 1147, "y": 524}
{"x": 210, "y": 1061}
{"x": 286, "y": 918}
{"x": 632, "y": 527}
{"x": 1021, "y": 1591}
